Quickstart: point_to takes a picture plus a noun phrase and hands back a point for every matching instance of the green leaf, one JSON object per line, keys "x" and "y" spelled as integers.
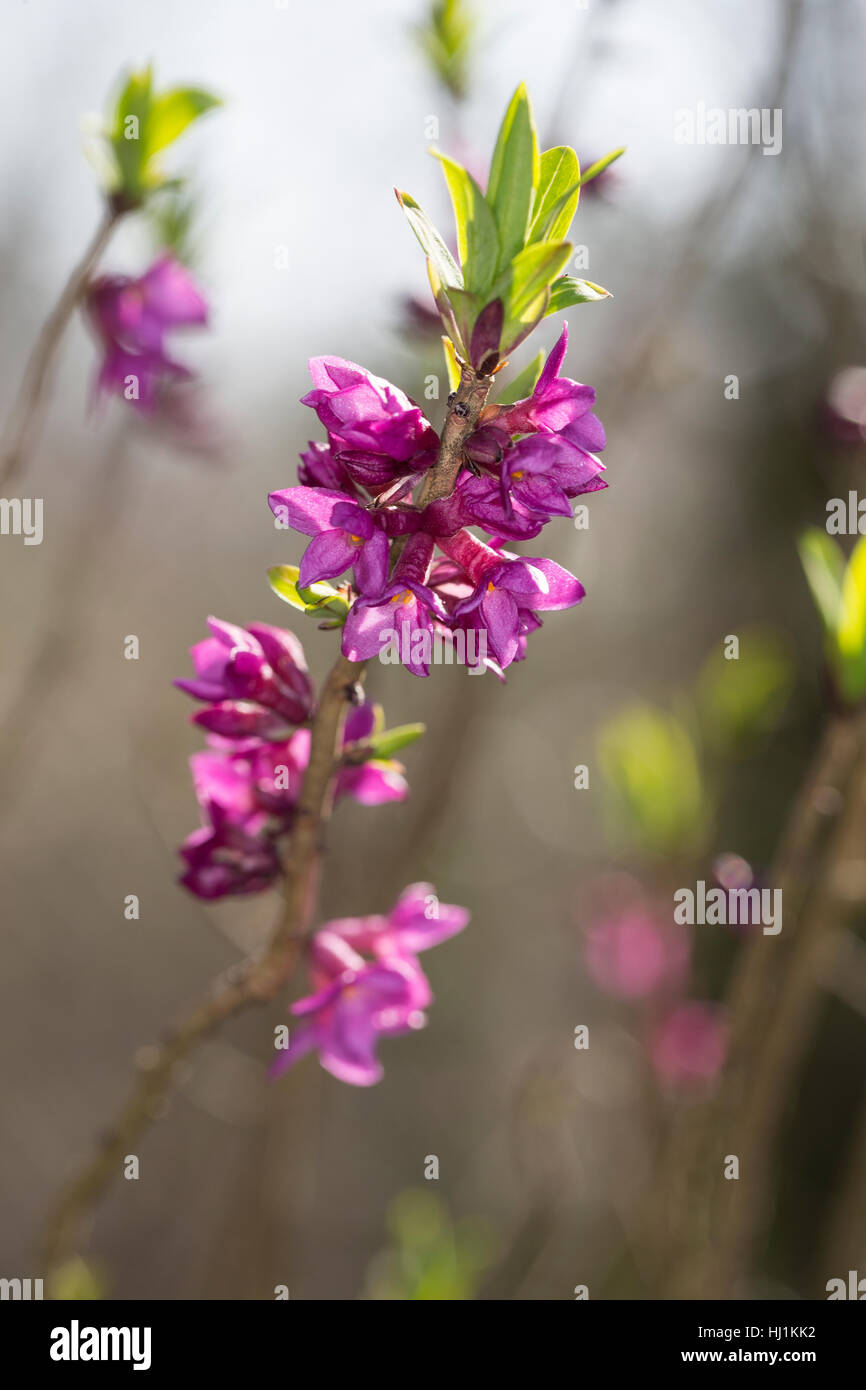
{"x": 740, "y": 700}
{"x": 142, "y": 124}
{"x": 446, "y": 38}
{"x": 128, "y": 131}
{"x": 567, "y": 291}
{"x": 557, "y": 196}
{"x": 531, "y": 271}
{"x": 519, "y": 325}
{"x": 172, "y": 112}
{"x": 523, "y": 384}
{"x": 76, "y": 1280}
{"x": 443, "y": 304}
{"x": 434, "y": 246}
{"x": 824, "y": 564}
{"x": 600, "y": 165}
{"x": 514, "y": 175}
{"x": 319, "y": 598}
{"x": 283, "y": 580}
{"x": 477, "y": 238}
{"x": 466, "y": 310}
{"x": 657, "y": 795}
{"x": 390, "y": 741}
{"x": 851, "y": 631}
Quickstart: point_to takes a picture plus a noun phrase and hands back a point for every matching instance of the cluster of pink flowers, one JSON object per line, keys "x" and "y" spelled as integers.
{"x": 634, "y": 955}
{"x": 258, "y": 699}
{"x": 523, "y": 465}
{"x": 368, "y": 983}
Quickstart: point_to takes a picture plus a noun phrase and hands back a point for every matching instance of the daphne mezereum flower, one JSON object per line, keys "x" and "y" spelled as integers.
{"x": 345, "y": 535}
{"x": 543, "y": 471}
{"x": 375, "y": 430}
{"x": 132, "y": 318}
{"x": 689, "y": 1045}
{"x": 229, "y": 856}
{"x": 416, "y": 922}
{"x": 248, "y": 788}
{"x": 557, "y": 405}
{"x": 508, "y": 593}
{"x": 478, "y": 501}
{"x": 404, "y": 611}
{"x": 357, "y": 1001}
{"x": 363, "y": 1001}
{"x": 262, "y": 667}
{"x": 633, "y": 956}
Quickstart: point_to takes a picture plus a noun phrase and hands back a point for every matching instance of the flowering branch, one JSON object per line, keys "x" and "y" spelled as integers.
{"x": 140, "y": 124}
{"x": 255, "y": 981}
{"x": 378, "y": 498}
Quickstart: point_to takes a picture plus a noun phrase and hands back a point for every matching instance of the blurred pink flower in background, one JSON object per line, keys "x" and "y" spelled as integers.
{"x": 689, "y": 1045}
{"x": 633, "y": 956}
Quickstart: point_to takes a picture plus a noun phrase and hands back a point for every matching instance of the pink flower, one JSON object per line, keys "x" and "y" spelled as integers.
{"x": 262, "y": 667}
{"x": 633, "y": 956}
{"x": 376, "y": 431}
{"x": 404, "y": 612}
{"x": 345, "y": 535}
{"x": 508, "y": 592}
{"x": 558, "y": 405}
{"x": 416, "y": 922}
{"x": 132, "y": 318}
{"x": 363, "y": 1001}
{"x": 229, "y": 856}
{"x": 357, "y": 1001}
{"x": 689, "y": 1046}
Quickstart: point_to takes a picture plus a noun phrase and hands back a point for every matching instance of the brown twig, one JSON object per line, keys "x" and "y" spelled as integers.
{"x": 28, "y": 406}
{"x": 788, "y": 1018}
{"x": 258, "y": 981}
{"x": 773, "y": 976}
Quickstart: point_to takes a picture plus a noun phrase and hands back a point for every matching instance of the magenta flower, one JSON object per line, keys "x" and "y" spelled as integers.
{"x": 260, "y": 664}
{"x": 363, "y": 1002}
{"x": 132, "y": 318}
{"x": 416, "y": 922}
{"x": 508, "y": 593}
{"x": 320, "y": 467}
{"x": 376, "y": 431}
{"x": 345, "y": 536}
{"x": 375, "y": 780}
{"x": 251, "y": 775}
{"x": 689, "y": 1046}
{"x": 558, "y": 405}
{"x": 542, "y": 471}
{"x": 478, "y": 501}
{"x": 404, "y": 612}
{"x": 228, "y": 856}
{"x": 633, "y": 956}
{"x": 357, "y": 1001}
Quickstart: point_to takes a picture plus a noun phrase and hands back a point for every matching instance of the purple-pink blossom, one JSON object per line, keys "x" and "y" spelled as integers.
{"x": 132, "y": 318}
{"x": 633, "y": 956}
{"x": 405, "y": 610}
{"x": 508, "y": 593}
{"x": 374, "y": 429}
{"x": 689, "y": 1045}
{"x": 258, "y": 666}
{"x": 248, "y": 780}
{"x": 345, "y": 536}
{"x": 358, "y": 1000}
